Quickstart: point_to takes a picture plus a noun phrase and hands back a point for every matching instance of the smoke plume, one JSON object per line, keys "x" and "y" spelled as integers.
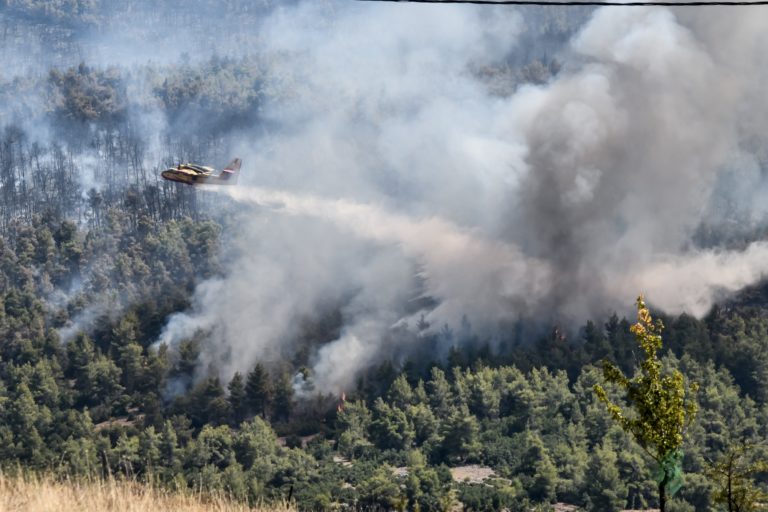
{"x": 391, "y": 174}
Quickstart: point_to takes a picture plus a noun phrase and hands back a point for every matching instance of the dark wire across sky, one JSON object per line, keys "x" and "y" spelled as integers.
{"x": 576, "y": 2}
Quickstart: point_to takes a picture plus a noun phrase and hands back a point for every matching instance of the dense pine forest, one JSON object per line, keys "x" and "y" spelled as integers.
{"x": 99, "y": 403}
{"x": 99, "y": 255}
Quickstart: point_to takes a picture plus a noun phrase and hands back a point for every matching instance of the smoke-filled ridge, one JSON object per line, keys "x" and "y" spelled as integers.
{"x": 553, "y": 201}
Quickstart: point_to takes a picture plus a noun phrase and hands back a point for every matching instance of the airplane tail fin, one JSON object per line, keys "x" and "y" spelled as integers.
{"x": 231, "y": 171}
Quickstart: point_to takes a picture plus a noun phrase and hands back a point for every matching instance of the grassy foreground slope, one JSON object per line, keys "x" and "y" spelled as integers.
{"x": 43, "y": 494}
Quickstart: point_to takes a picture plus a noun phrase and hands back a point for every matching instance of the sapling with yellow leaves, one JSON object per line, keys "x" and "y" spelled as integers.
{"x": 660, "y": 408}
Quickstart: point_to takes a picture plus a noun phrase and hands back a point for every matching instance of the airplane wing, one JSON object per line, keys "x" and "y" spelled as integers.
{"x": 200, "y": 169}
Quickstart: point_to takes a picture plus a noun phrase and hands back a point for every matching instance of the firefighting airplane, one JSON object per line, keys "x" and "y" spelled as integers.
{"x": 193, "y": 174}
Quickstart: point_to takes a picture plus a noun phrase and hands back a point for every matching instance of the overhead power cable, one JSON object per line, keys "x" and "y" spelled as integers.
{"x": 575, "y": 2}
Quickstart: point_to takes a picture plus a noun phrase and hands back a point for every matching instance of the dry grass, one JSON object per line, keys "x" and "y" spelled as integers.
{"x": 472, "y": 473}
{"x": 32, "y": 493}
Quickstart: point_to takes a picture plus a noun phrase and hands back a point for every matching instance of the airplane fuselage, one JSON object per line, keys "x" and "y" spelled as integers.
{"x": 192, "y": 174}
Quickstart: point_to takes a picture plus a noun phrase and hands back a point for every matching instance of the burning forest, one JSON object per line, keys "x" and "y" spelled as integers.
{"x": 441, "y": 216}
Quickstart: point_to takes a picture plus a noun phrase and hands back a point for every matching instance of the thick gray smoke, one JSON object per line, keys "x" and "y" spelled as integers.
{"x": 391, "y": 173}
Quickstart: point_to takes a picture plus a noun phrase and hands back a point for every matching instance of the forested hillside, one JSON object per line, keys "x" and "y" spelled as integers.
{"x": 455, "y": 381}
{"x": 110, "y": 402}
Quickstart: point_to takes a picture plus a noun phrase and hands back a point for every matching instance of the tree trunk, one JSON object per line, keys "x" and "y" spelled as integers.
{"x": 663, "y": 493}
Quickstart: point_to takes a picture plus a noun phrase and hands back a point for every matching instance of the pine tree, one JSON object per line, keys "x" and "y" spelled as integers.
{"x": 237, "y": 398}
{"x": 169, "y": 447}
{"x": 80, "y": 353}
{"x": 604, "y": 487}
{"x": 461, "y": 436}
{"x": 440, "y": 394}
{"x": 258, "y": 391}
{"x": 354, "y": 422}
{"x": 400, "y": 392}
{"x": 283, "y": 397}
{"x": 208, "y": 404}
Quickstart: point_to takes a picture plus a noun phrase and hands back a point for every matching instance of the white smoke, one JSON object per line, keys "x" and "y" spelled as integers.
{"x": 389, "y": 162}
{"x": 693, "y": 282}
